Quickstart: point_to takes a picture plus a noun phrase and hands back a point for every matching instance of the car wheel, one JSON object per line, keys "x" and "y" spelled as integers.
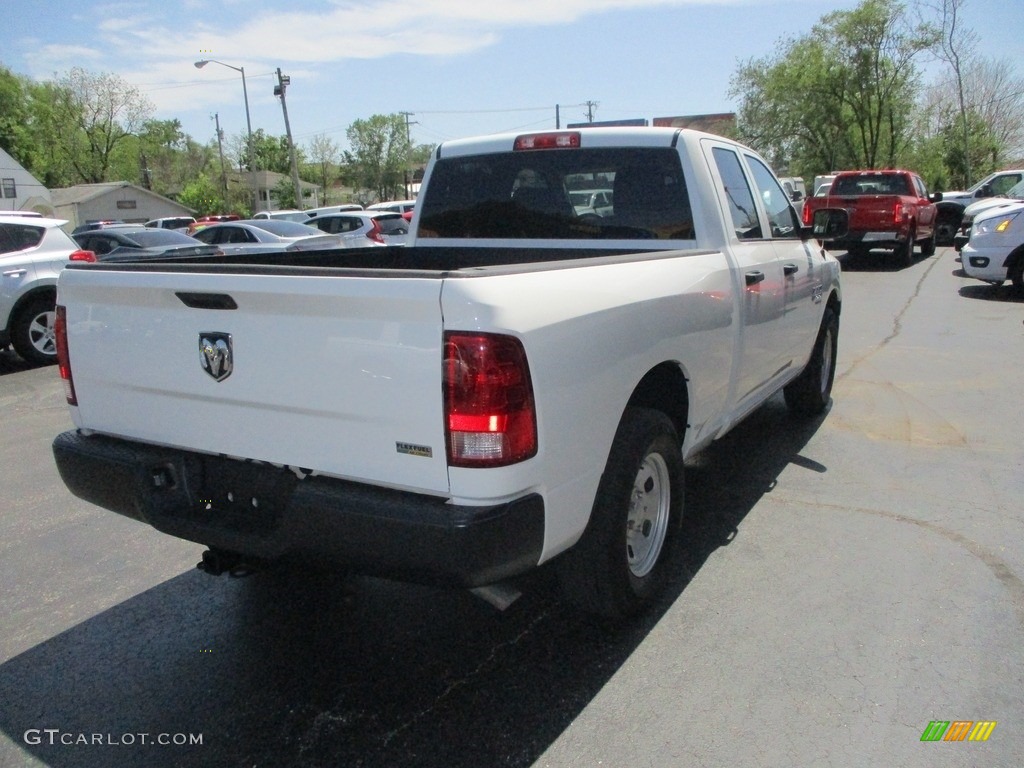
{"x": 32, "y": 331}
{"x": 905, "y": 251}
{"x": 808, "y": 394}
{"x": 928, "y": 246}
{"x": 1017, "y": 276}
{"x": 624, "y": 555}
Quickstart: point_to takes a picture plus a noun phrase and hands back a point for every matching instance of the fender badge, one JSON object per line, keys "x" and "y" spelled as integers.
{"x": 215, "y": 354}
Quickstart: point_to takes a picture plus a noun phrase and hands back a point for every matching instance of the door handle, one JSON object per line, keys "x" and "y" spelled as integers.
{"x": 16, "y": 273}
{"x": 790, "y": 269}
{"x": 753, "y": 278}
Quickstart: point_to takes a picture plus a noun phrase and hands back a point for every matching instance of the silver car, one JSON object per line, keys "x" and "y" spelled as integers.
{"x": 33, "y": 251}
{"x": 363, "y": 229}
{"x": 266, "y": 236}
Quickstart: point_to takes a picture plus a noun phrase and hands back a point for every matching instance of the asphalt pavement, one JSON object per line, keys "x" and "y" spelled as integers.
{"x": 846, "y": 583}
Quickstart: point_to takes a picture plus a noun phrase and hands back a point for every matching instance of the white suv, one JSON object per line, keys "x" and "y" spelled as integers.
{"x": 32, "y": 253}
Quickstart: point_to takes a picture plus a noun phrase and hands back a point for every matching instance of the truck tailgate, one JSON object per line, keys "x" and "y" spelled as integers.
{"x": 339, "y": 375}
{"x": 870, "y": 211}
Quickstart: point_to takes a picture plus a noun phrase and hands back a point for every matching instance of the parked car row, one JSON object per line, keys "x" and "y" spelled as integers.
{"x": 34, "y": 249}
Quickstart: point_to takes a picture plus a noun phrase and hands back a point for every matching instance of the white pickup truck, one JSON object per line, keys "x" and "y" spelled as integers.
{"x": 516, "y": 385}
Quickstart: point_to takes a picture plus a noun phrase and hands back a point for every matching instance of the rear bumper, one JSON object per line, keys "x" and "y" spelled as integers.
{"x": 262, "y": 511}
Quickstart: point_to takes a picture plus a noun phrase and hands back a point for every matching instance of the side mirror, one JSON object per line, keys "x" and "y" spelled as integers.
{"x": 829, "y": 224}
{"x": 935, "y": 197}
{"x": 796, "y": 196}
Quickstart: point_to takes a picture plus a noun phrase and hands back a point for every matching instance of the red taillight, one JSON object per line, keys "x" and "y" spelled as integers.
{"x": 376, "y": 233}
{"x": 806, "y": 214}
{"x": 559, "y": 140}
{"x": 87, "y": 256}
{"x": 60, "y": 332}
{"x": 490, "y": 418}
{"x": 898, "y": 213}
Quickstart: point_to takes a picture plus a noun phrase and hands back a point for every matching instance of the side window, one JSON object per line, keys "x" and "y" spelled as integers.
{"x": 781, "y": 215}
{"x": 16, "y": 237}
{"x": 10, "y": 189}
{"x": 1003, "y": 183}
{"x": 741, "y": 201}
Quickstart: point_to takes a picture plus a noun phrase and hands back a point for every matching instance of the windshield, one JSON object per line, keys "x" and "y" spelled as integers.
{"x": 284, "y": 228}
{"x": 152, "y": 237}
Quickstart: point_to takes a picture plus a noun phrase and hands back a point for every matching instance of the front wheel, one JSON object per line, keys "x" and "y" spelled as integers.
{"x": 808, "y": 394}
{"x": 624, "y": 555}
{"x": 32, "y": 333}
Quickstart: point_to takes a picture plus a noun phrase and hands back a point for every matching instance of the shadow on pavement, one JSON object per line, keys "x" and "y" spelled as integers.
{"x": 992, "y": 292}
{"x": 875, "y": 261}
{"x": 10, "y": 362}
{"x": 290, "y": 669}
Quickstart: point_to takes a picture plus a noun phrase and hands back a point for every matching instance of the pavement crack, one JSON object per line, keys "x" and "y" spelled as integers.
{"x": 897, "y": 323}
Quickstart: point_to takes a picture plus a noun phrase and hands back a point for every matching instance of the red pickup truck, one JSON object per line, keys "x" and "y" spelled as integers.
{"x": 888, "y": 209}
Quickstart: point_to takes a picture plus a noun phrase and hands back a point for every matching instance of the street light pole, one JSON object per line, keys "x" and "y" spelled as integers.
{"x": 248, "y": 126}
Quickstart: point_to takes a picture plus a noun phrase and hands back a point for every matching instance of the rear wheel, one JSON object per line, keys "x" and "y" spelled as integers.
{"x": 928, "y": 246}
{"x": 905, "y": 251}
{"x": 624, "y": 555}
{"x": 32, "y": 331}
{"x": 808, "y": 394}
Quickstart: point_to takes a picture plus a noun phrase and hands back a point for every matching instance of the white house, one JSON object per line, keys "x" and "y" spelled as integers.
{"x": 20, "y": 190}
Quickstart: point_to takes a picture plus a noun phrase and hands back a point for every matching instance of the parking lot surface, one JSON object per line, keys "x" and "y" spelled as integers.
{"x": 845, "y": 583}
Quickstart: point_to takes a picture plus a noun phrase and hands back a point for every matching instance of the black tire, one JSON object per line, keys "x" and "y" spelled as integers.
{"x": 928, "y": 246}
{"x": 626, "y": 552}
{"x": 32, "y": 331}
{"x": 1017, "y": 276}
{"x": 809, "y": 393}
{"x": 904, "y": 252}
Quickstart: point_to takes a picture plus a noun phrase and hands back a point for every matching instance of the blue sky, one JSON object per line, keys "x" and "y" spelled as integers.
{"x": 461, "y": 67}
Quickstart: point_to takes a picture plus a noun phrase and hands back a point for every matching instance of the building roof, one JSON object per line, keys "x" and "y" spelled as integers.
{"x": 82, "y": 193}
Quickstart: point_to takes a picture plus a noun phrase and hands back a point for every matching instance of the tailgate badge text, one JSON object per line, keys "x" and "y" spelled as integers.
{"x": 215, "y": 354}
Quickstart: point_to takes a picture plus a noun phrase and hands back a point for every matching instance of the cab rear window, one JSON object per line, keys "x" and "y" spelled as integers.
{"x": 519, "y": 195}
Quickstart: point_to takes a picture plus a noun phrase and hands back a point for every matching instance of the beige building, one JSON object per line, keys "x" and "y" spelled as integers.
{"x": 112, "y": 201}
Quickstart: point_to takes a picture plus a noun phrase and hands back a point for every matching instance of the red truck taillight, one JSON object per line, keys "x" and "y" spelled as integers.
{"x": 490, "y": 419}
{"x": 899, "y": 213}
{"x": 60, "y": 332}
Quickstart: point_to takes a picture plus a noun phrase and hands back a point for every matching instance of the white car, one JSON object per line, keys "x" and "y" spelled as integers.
{"x": 364, "y": 229}
{"x": 995, "y": 251}
{"x": 33, "y": 251}
{"x": 287, "y": 214}
{"x": 395, "y": 206}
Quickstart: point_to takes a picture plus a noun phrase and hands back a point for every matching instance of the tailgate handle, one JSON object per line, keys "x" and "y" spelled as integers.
{"x": 206, "y": 300}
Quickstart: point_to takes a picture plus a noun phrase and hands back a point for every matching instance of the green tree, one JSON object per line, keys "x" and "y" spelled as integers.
{"x": 380, "y": 155}
{"x": 15, "y": 135}
{"x": 203, "y": 195}
{"x": 324, "y": 156}
{"x": 838, "y": 97}
{"x": 95, "y": 113}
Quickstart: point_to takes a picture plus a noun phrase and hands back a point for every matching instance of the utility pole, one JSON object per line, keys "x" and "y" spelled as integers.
{"x": 220, "y": 151}
{"x": 558, "y": 117}
{"x": 591, "y": 106}
{"x": 283, "y": 81}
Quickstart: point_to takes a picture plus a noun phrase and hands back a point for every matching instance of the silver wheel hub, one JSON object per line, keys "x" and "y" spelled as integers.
{"x": 40, "y": 333}
{"x": 648, "y": 516}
